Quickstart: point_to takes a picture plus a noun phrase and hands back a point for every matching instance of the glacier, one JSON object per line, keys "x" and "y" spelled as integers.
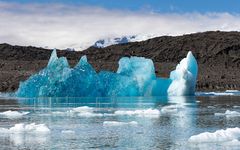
{"x": 134, "y": 77}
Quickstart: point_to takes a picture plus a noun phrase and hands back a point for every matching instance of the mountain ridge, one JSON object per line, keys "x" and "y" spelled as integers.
{"x": 217, "y": 53}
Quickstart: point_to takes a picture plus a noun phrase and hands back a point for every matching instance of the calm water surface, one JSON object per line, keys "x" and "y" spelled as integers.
{"x": 118, "y": 123}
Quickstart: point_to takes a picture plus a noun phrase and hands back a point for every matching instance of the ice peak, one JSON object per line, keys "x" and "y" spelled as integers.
{"x": 53, "y": 57}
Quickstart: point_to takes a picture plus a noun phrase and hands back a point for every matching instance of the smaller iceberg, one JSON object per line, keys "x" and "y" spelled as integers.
{"x": 13, "y": 114}
{"x": 134, "y": 77}
{"x": 219, "y": 136}
{"x": 26, "y": 128}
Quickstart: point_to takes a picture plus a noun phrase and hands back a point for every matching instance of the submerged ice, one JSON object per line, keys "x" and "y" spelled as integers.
{"x": 134, "y": 77}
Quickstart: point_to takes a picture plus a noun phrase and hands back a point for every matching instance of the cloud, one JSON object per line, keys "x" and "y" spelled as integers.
{"x": 63, "y": 26}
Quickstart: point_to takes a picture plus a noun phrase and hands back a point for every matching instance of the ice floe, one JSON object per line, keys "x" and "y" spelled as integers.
{"x": 228, "y": 136}
{"x": 228, "y": 113}
{"x": 117, "y": 123}
{"x": 86, "y": 111}
{"x": 68, "y": 132}
{"x": 236, "y": 106}
{"x": 26, "y": 128}
{"x": 83, "y": 111}
{"x": 13, "y": 114}
{"x": 211, "y": 107}
{"x": 140, "y": 113}
{"x": 171, "y": 109}
{"x": 226, "y": 93}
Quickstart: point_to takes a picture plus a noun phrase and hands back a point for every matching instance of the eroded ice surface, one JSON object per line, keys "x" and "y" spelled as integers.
{"x": 134, "y": 77}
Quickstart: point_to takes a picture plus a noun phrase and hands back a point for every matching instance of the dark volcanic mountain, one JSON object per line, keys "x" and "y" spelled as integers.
{"x": 217, "y": 53}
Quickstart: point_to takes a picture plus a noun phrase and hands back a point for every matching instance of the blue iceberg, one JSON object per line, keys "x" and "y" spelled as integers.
{"x": 134, "y": 77}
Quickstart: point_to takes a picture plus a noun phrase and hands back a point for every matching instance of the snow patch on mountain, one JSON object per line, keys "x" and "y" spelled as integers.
{"x": 121, "y": 40}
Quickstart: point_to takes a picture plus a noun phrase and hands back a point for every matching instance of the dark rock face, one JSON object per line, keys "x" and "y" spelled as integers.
{"x": 217, "y": 53}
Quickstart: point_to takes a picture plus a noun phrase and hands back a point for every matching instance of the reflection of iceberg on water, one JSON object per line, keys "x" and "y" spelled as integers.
{"x": 134, "y": 77}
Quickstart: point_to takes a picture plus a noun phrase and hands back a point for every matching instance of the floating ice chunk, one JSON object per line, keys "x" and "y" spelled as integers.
{"x": 68, "y": 132}
{"x": 117, "y": 123}
{"x": 30, "y": 128}
{"x": 83, "y": 111}
{"x": 211, "y": 107}
{"x": 13, "y": 114}
{"x": 134, "y": 77}
{"x": 228, "y": 113}
{"x": 4, "y": 131}
{"x": 140, "y": 113}
{"x": 232, "y": 91}
{"x": 171, "y": 109}
{"x": 27, "y": 128}
{"x": 226, "y": 93}
{"x": 236, "y": 106}
{"x": 89, "y": 114}
{"x": 227, "y": 135}
{"x": 184, "y": 77}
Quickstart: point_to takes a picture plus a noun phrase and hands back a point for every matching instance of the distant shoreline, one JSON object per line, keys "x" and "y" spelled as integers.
{"x": 217, "y": 53}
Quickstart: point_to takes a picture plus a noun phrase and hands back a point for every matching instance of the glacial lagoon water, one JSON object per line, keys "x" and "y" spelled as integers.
{"x": 119, "y": 122}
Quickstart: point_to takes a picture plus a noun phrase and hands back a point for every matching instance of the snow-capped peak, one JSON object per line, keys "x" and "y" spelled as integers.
{"x": 121, "y": 40}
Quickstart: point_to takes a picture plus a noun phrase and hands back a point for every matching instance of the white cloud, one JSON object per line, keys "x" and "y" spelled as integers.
{"x": 56, "y": 25}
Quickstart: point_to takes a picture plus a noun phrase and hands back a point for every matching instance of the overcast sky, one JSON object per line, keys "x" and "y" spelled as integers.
{"x": 75, "y": 24}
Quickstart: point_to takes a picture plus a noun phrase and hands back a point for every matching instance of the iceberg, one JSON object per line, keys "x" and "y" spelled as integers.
{"x": 13, "y": 114}
{"x": 219, "y": 136}
{"x": 22, "y": 128}
{"x": 134, "y": 77}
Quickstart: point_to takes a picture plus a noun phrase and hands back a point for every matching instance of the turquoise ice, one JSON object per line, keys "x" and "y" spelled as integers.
{"x": 134, "y": 77}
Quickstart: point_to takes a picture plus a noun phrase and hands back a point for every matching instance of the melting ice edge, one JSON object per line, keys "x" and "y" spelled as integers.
{"x": 135, "y": 77}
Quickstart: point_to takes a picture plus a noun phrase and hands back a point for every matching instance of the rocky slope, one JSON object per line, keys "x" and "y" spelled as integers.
{"x": 218, "y": 55}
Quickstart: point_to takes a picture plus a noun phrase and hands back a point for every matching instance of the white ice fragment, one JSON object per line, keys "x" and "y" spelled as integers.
{"x": 236, "y": 106}
{"x": 117, "y": 123}
{"x": 227, "y": 135}
{"x": 89, "y": 114}
{"x": 211, "y": 107}
{"x": 68, "y": 132}
{"x": 83, "y": 109}
{"x": 4, "y": 130}
{"x": 27, "y": 128}
{"x": 13, "y": 114}
{"x": 139, "y": 113}
{"x": 228, "y": 113}
{"x": 232, "y": 91}
{"x": 171, "y": 109}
